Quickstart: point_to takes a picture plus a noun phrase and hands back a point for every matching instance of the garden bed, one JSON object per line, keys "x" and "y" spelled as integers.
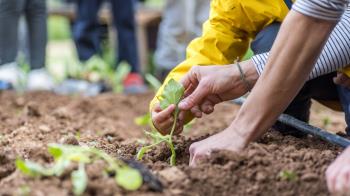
{"x": 275, "y": 165}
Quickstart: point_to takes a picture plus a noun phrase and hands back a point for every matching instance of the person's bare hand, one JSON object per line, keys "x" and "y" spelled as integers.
{"x": 342, "y": 79}
{"x": 225, "y": 140}
{"x": 163, "y": 120}
{"x": 338, "y": 174}
{"x": 207, "y": 86}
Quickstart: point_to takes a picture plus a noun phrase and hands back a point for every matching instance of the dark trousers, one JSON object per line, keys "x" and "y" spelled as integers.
{"x": 321, "y": 88}
{"x": 87, "y": 31}
{"x": 35, "y": 15}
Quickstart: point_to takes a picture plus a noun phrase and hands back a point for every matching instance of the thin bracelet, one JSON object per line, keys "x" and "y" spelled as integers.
{"x": 243, "y": 78}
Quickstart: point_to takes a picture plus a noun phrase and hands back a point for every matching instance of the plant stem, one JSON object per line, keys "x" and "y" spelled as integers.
{"x": 170, "y": 141}
{"x": 175, "y": 122}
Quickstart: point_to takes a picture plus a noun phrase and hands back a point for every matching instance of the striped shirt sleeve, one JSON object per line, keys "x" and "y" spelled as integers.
{"x": 335, "y": 54}
{"x": 331, "y": 10}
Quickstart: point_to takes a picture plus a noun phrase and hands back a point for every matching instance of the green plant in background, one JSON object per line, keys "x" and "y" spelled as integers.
{"x": 96, "y": 69}
{"x": 125, "y": 176}
{"x": 25, "y": 68}
{"x": 172, "y": 94}
{"x": 153, "y": 81}
{"x": 58, "y": 28}
{"x": 288, "y": 175}
{"x": 119, "y": 76}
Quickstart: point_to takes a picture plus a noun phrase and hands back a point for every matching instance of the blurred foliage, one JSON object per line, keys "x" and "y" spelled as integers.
{"x": 58, "y": 28}
{"x": 154, "y": 3}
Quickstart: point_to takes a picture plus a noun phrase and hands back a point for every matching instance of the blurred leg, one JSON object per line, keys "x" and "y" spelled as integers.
{"x": 344, "y": 95}
{"x": 36, "y": 17}
{"x": 171, "y": 45}
{"x": 86, "y": 29}
{"x": 124, "y": 20}
{"x": 10, "y": 12}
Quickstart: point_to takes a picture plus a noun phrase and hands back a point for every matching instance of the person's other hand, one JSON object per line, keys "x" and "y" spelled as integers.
{"x": 342, "y": 79}
{"x": 207, "y": 86}
{"x": 338, "y": 174}
{"x": 163, "y": 120}
{"x": 225, "y": 140}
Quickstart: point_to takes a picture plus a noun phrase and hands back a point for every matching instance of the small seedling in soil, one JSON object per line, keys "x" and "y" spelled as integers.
{"x": 172, "y": 94}
{"x": 125, "y": 176}
{"x": 326, "y": 121}
{"x": 24, "y": 190}
{"x": 288, "y": 175}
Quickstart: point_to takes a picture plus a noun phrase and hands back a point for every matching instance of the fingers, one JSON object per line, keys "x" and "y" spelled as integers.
{"x": 342, "y": 180}
{"x": 190, "y": 79}
{"x": 338, "y": 175}
{"x": 163, "y": 119}
{"x": 196, "y": 154}
{"x": 159, "y": 116}
{"x": 196, "y": 97}
{"x": 209, "y": 103}
{"x": 196, "y": 111}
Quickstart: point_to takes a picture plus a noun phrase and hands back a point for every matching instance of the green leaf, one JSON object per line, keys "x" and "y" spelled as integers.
{"x": 172, "y": 94}
{"x": 60, "y": 166}
{"x": 141, "y": 153}
{"x": 153, "y": 81}
{"x": 55, "y": 151}
{"x": 129, "y": 178}
{"x": 120, "y": 74}
{"x": 32, "y": 169}
{"x": 143, "y": 120}
{"x": 156, "y": 136}
{"x": 288, "y": 175}
{"x": 79, "y": 180}
{"x": 122, "y": 71}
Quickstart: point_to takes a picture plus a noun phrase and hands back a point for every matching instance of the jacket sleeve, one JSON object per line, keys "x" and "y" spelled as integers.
{"x": 227, "y": 33}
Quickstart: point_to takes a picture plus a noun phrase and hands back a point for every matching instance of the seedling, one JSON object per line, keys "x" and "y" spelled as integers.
{"x": 125, "y": 176}
{"x": 172, "y": 94}
{"x": 288, "y": 175}
{"x": 326, "y": 121}
{"x": 153, "y": 81}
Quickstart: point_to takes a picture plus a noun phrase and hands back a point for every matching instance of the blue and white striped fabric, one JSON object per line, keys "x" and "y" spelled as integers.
{"x": 335, "y": 54}
{"x": 322, "y": 9}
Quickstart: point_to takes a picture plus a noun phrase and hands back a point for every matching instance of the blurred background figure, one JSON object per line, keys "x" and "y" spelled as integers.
{"x": 87, "y": 36}
{"x": 181, "y": 23}
{"x": 35, "y": 31}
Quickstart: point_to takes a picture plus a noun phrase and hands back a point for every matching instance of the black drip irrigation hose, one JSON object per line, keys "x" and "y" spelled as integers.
{"x": 306, "y": 128}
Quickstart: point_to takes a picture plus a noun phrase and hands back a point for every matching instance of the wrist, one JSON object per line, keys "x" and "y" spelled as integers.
{"x": 240, "y": 139}
{"x": 244, "y": 76}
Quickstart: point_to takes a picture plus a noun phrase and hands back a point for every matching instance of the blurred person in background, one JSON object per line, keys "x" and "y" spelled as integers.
{"x": 87, "y": 36}
{"x": 34, "y": 13}
{"x": 181, "y": 23}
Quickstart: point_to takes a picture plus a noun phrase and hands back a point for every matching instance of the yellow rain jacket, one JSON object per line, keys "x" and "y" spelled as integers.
{"x": 227, "y": 33}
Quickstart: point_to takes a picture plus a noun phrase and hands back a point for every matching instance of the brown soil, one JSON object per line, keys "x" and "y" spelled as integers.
{"x": 30, "y": 121}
